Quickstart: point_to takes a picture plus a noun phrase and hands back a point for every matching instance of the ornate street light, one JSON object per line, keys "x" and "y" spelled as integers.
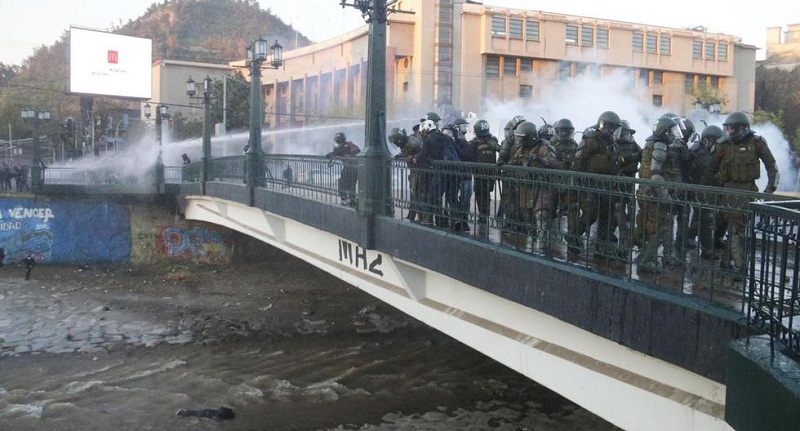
{"x": 162, "y": 113}
{"x": 37, "y": 117}
{"x": 190, "y": 91}
{"x": 254, "y": 155}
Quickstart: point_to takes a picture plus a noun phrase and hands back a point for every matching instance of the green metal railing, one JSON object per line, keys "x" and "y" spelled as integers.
{"x": 773, "y": 292}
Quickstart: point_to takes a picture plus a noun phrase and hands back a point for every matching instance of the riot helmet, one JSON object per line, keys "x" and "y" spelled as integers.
{"x": 608, "y": 122}
{"x": 526, "y": 133}
{"x": 517, "y": 120}
{"x": 546, "y": 132}
{"x": 433, "y": 117}
{"x": 687, "y": 127}
{"x": 482, "y": 129}
{"x": 624, "y": 133}
{"x": 711, "y": 135}
{"x": 398, "y": 136}
{"x": 508, "y": 130}
{"x": 564, "y": 129}
{"x": 737, "y": 126}
{"x": 426, "y": 127}
{"x": 461, "y": 124}
{"x": 339, "y": 138}
{"x": 666, "y": 129}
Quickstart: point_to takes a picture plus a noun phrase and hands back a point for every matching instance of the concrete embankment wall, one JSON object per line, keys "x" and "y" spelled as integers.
{"x": 107, "y": 229}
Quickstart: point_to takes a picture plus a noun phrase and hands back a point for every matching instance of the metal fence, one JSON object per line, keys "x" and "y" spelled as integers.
{"x": 773, "y": 301}
{"x": 671, "y": 236}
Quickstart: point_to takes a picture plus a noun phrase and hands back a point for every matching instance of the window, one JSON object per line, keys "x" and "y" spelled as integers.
{"x": 498, "y": 25}
{"x": 532, "y": 30}
{"x": 666, "y": 45}
{"x": 722, "y": 51}
{"x": 602, "y": 38}
{"x": 572, "y": 34}
{"x": 509, "y": 66}
{"x": 638, "y": 41}
{"x": 587, "y": 36}
{"x": 713, "y": 81}
{"x": 652, "y": 40}
{"x": 658, "y": 77}
{"x": 697, "y": 49}
{"x": 405, "y": 87}
{"x": 525, "y": 65}
{"x": 564, "y": 71}
{"x": 526, "y": 91}
{"x": 710, "y": 48}
{"x": 688, "y": 83}
{"x": 492, "y": 66}
{"x": 515, "y": 28}
{"x": 658, "y": 100}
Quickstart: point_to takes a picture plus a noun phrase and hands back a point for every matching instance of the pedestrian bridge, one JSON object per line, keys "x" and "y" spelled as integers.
{"x": 645, "y": 351}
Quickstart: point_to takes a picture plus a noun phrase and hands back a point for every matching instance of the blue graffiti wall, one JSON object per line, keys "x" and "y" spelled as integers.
{"x": 65, "y": 231}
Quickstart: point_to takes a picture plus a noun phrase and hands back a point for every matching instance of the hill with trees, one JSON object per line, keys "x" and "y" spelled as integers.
{"x": 212, "y": 31}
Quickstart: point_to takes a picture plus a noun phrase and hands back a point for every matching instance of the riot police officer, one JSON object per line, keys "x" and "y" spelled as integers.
{"x": 507, "y": 189}
{"x": 654, "y": 219}
{"x": 409, "y": 147}
{"x": 629, "y": 153}
{"x": 596, "y": 154}
{"x": 565, "y": 200}
{"x": 706, "y": 223}
{"x": 738, "y": 155}
{"x": 484, "y": 147}
{"x": 346, "y": 151}
{"x": 533, "y": 198}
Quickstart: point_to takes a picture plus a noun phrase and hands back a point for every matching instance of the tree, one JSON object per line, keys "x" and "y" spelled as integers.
{"x": 778, "y": 92}
{"x": 237, "y": 101}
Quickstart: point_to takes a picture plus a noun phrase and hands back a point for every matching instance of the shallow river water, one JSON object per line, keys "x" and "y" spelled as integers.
{"x": 380, "y": 371}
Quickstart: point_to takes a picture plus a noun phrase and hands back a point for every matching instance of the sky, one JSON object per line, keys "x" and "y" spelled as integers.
{"x": 27, "y": 24}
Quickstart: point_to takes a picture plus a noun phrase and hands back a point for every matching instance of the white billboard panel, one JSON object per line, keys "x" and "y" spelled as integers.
{"x": 108, "y": 64}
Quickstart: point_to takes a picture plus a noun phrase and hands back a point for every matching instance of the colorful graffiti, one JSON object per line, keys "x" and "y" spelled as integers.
{"x": 196, "y": 243}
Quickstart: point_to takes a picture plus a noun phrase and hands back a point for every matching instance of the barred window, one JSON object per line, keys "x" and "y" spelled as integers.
{"x": 515, "y": 28}
{"x": 572, "y": 34}
{"x": 509, "y": 66}
{"x": 525, "y": 65}
{"x": 638, "y": 41}
{"x": 532, "y": 30}
{"x": 711, "y": 47}
{"x": 526, "y": 91}
{"x": 713, "y": 81}
{"x": 666, "y": 44}
{"x": 587, "y": 35}
{"x": 658, "y": 77}
{"x": 658, "y": 100}
{"x": 722, "y": 51}
{"x": 697, "y": 49}
{"x": 564, "y": 71}
{"x": 498, "y": 25}
{"x": 602, "y": 38}
{"x": 492, "y": 66}
{"x": 652, "y": 40}
{"x": 688, "y": 83}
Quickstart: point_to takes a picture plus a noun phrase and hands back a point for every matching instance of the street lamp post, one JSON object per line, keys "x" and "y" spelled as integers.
{"x": 190, "y": 91}
{"x": 162, "y": 113}
{"x": 254, "y": 156}
{"x": 37, "y": 117}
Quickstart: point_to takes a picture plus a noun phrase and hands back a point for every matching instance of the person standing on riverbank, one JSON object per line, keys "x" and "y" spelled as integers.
{"x": 29, "y": 263}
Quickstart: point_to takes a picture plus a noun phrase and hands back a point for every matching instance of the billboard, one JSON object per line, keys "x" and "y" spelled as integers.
{"x": 107, "y": 64}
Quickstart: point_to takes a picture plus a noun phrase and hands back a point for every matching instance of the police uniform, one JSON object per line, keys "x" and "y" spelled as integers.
{"x": 534, "y": 197}
{"x": 596, "y": 154}
{"x": 629, "y": 153}
{"x": 485, "y": 150}
{"x": 739, "y": 169}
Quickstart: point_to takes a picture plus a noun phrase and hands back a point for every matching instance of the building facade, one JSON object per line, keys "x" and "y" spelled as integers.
{"x": 454, "y": 55}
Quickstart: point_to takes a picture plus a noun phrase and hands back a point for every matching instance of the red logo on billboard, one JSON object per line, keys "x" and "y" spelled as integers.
{"x": 113, "y": 57}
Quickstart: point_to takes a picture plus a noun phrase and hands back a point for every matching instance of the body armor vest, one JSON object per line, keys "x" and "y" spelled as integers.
{"x": 565, "y": 152}
{"x": 740, "y": 162}
{"x": 485, "y": 149}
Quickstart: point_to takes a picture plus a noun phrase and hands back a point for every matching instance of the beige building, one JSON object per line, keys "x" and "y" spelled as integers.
{"x": 783, "y": 48}
{"x": 169, "y": 86}
{"x": 454, "y": 54}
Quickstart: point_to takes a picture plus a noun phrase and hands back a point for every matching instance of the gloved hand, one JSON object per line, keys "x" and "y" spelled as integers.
{"x": 769, "y": 189}
{"x": 330, "y": 163}
{"x": 533, "y": 158}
